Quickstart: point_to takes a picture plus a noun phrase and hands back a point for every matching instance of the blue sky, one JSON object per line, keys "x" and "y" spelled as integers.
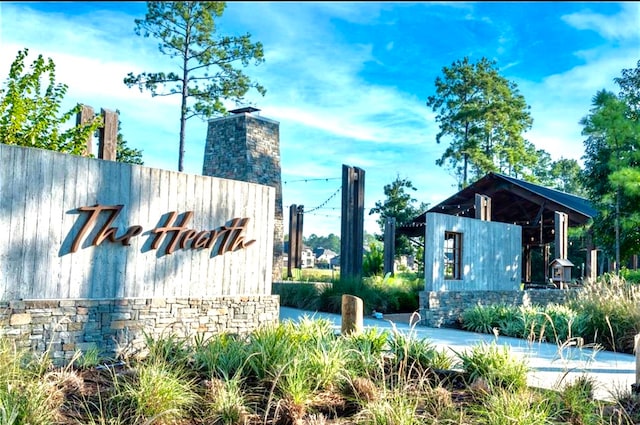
{"x": 348, "y": 82}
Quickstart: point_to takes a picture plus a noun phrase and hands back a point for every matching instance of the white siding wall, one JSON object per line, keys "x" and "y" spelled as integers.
{"x": 491, "y": 254}
{"x": 40, "y": 192}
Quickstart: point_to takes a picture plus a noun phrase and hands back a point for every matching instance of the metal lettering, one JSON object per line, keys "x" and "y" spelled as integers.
{"x": 229, "y": 237}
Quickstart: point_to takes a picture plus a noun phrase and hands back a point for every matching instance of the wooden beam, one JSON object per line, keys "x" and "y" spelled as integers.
{"x": 108, "y": 139}
{"x": 86, "y": 116}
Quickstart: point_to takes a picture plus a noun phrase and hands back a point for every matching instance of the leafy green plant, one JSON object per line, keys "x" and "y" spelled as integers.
{"x": 30, "y": 112}
{"x": 373, "y": 261}
{"x": 304, "y": 296}
{"x": 88, "y": 358}
{"x": 482, "y": 319}
{"x": 269, "y": 348}
{"x": 394, "y": 408}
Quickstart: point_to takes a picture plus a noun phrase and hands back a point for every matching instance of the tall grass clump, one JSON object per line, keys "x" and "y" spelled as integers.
{"x": 225, "y": 402}
{"x": 608, "y": 313}
{"x": 158, "y": 393}
{"x": 495, "y": 365}
{"x": 365, "y": 352}
{"x": 169, "y": 348}
{"x": 25, "y": 396}
{"x": 269, "y": 348}
{"x": 507, "y": 407}
{"x": 221, "y": 356}
{"x": 416, "y": 354}
{"x": 484, "y": 319}
{"x": 575, "y": 403}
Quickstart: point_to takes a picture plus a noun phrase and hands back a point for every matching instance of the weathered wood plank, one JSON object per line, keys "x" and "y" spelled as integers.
{"x": 42, "y": 191}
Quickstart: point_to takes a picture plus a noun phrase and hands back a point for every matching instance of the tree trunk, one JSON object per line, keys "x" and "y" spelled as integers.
{"x": 184, "y": 95}
{"x": 617, "y": 230}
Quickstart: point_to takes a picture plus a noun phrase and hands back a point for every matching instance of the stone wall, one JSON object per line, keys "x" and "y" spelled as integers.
{"x": 443, "y": 309}
{"x": 118, "y": 326}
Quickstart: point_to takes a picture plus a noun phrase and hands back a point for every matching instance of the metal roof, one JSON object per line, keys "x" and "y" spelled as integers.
{"x": 512, "y": 201}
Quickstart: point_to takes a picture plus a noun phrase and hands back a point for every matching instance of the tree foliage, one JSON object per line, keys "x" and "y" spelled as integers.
{"x": 629, "y": 84}
{"x": 331, "y": 242}
{"x": 125, "y": 153}
{"x": 30, "y": 104}
{"x": 484, "y": 116}
{"x": 399, "y": 204}
{"x": 612, "y": 173}
{"x": 187, "y": 31}
{"x": 564, "y": 174}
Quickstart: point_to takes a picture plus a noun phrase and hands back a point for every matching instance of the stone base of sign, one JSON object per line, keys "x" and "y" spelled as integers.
{"x": 117, "y": 327}
{"x": 443, "y": 309}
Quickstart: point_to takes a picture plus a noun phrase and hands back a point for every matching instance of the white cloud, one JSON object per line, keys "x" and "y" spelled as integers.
{"x": 624, "y": 25}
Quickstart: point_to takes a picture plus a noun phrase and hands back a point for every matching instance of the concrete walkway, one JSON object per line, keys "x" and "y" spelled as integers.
{"x": 551, "y": 365}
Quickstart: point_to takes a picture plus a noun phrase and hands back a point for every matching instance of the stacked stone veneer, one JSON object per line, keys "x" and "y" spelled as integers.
{"x": 118, "y": 326}
{"x": 443, "y": 309}
{"x": 246, "y": 146}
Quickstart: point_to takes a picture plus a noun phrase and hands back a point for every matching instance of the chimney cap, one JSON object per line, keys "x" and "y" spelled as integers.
{"x": 246, "y": 109}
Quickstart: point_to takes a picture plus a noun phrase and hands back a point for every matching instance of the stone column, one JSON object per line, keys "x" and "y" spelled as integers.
{"x": 246, "y": 146}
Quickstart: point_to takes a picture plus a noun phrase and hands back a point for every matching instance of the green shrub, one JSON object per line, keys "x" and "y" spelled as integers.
{"x": 225, "y": 402}
{"x": 304, "y": 296}
{"x": 373, "y": 261}
{"x": 631, "y": 276}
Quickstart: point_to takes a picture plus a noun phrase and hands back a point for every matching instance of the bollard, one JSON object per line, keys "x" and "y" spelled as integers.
{"x": 352, "y": 314}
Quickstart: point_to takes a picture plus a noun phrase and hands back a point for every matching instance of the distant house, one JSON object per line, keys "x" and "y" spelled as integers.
{"x": 324, "y": 257}
{"x": 307, "y": 258}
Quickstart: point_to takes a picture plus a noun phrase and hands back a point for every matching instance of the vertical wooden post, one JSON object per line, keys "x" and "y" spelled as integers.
{"x": 85, "y": 116}
{"x": 561, "y": 221}
{"x": 299, "y": 241}
{"x": 352, "y": 226}
{"x": 293, "y": 240}
{"x": 527, "y": 263}
{"x": 545, "y": 259}
{"x": 389, "y": 245}
{"x": 108, "y": 140}
{"x": 352, "y": 314}
{"x": 483, "y": 207}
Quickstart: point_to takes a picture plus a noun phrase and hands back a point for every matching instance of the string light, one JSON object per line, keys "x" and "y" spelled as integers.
{"x": 312, "y": 180}
{"x": 325, "y": 202}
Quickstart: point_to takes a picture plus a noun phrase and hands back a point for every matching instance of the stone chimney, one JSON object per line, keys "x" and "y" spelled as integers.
{"x": 246, "y": 146}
